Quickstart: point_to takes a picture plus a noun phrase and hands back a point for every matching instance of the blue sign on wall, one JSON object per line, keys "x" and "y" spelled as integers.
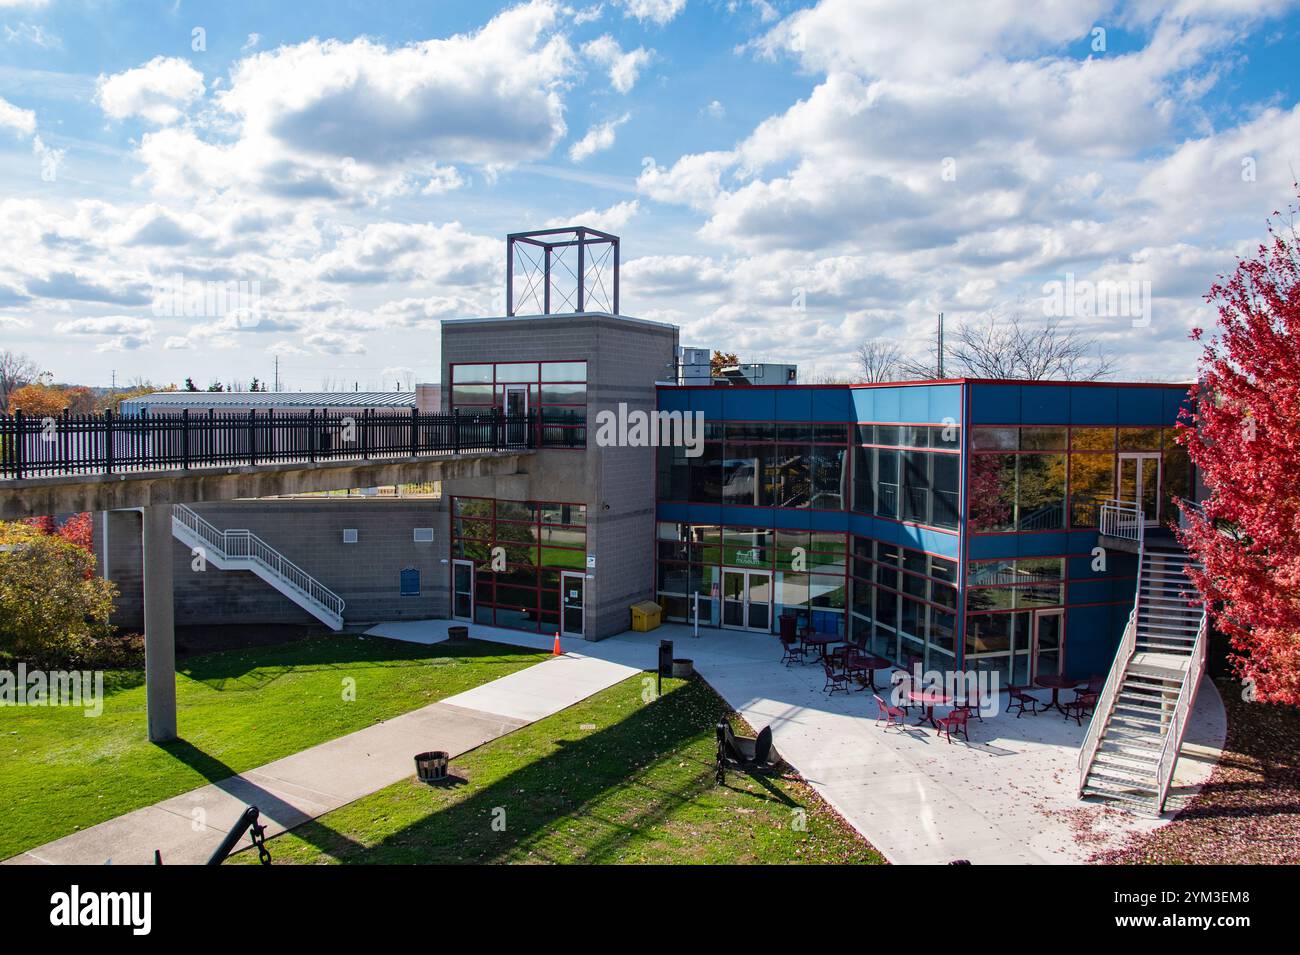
{"x": 411, "y": 582}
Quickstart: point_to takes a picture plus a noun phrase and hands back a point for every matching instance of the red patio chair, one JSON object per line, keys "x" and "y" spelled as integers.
{"x": 895, "y": 715}
{"x": 1017, "y": 696}
{"x": 956, "y": 720}
{"x": 1082, "y": 705}
{"x": 972, "y": 702}
{"x": 835, "y": 679}
{"x": 794, "y": 650}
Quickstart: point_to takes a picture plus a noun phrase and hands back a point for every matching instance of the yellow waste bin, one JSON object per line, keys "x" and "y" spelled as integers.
{"x": 645, "y": 616}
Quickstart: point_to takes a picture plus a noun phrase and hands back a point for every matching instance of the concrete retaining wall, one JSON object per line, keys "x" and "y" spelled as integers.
{"x": 310, "y": 533}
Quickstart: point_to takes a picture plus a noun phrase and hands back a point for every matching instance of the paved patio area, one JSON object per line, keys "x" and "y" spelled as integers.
{"x": 1008, "y": 796}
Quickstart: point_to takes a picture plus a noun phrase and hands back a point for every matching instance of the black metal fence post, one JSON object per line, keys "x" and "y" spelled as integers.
{"x": 185, "y": 438}
{"x": 20, "y": 442}
{"x": 311, "y": 435}
{"x": 252, "y": 436}
{"x": 455, "y": 431}
{"x": 108, "y": 441}
{"x": 415, "y": 431}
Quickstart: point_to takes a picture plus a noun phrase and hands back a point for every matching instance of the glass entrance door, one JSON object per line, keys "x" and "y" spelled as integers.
{"x": 462, "y": 589}
{"x": 517, "y": 410}
{"x": 1139, "y": 480}
{"x": 571, "y": 596}
{"x": 1049, "y": 642}
{"x": 747, "y": 600}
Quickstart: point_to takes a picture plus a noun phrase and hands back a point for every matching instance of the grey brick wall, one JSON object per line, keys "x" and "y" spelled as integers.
{"x": 309, "y": 533}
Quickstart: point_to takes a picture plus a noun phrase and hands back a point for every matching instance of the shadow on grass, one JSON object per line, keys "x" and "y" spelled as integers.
{"x": 269, "y": 805}
{"x": 567, "y": 782}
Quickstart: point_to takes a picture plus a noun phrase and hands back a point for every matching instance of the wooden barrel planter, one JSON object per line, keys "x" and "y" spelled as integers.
{"x": 431, "y": 767}
{"x": 683, "y": 668}
{"x": 457, "y": 634}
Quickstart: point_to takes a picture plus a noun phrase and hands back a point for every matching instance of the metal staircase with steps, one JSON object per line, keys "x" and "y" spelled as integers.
{"x": 239, "y": 549}
{"x": 1138, "y": 725}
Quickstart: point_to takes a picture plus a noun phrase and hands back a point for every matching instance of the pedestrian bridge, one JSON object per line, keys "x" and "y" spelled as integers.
{"x": 58, "y": 464}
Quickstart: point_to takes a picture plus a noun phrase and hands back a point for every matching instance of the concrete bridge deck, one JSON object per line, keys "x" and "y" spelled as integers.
{"x": 64, "y": 493}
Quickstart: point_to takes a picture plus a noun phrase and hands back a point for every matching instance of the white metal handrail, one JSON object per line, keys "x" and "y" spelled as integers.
{"x": 1128, "y": 511}
{"x": 1106, "y": 699}
{"x": 239, "y": 542}
{"x": 1178, "y": 720}
{"x": 1122, "y": 519}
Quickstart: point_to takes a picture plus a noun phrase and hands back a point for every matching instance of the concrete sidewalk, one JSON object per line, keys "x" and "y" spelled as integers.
{"x": 300, "y": 787}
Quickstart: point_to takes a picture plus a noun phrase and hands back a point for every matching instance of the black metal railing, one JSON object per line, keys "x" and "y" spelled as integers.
{"x": 69, "y": 444}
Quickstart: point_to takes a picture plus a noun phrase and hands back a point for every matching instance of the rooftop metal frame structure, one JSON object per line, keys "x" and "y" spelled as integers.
{"x": 543, "y": 253}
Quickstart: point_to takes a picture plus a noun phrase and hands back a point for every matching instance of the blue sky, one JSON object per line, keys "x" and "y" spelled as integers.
{"x": 874, "y": 161}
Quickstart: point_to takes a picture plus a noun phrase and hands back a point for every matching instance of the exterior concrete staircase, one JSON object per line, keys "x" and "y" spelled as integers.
{"x": 239, "y": 549}
{"x": 1131, "y": 748}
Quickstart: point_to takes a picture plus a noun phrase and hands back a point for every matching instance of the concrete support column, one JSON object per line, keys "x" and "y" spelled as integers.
{"x": 159, "y": 623}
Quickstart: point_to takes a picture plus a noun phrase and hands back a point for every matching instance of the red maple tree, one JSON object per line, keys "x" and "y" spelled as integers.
{"x": 1242, "y": 434}
{"x": 79, "y": 529}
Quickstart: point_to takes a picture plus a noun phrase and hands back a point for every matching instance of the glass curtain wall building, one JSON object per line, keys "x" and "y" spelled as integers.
{"x": 948, "y": 522}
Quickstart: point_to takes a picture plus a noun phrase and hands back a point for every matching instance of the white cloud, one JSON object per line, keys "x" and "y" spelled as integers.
{"x": 122, "y": 332}
{"x": 659, "y": 12}
{"x": 715, "y": 110}
{"x": 442, "y": 179}
{"x": 607, "y": 220}
{"x": 599, "y": 137}
{"x": 330, "y": 121}
{"x": 334, "y": 343}
{"x": 694, "y": 180}
{"x": 16, "y": 118}
{"x": 159, "y": 91}
{"x": 253, "y": 40}
{"x": 624, "y": 68}
{"x": 34, "y": 34}
{"x": 405, "y": 252}
{"x": 590, "y": 15}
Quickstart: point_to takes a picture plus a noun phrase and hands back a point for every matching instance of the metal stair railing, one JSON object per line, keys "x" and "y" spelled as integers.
{"x": 1122, "y": 519}
{"x": 1134, "y": 521}
{"x": 1178, "y": 720}
{"x": 1106, "y": 699}
{"x": 242, "y": 543}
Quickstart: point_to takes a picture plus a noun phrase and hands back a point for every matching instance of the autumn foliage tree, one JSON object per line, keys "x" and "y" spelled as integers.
{"x": 1244, "y": 435}
{"x": 53, "y": 609}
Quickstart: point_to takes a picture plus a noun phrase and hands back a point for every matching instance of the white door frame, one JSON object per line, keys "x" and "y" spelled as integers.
{"x": 459, "y": 562}
{"x": 1142, "y": 468}
{"x": 1036, "y": 617}
{"x": 565, "y": 577}
{"x": 746, "y": 573}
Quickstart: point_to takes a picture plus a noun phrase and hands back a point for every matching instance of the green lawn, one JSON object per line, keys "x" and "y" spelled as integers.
{"x": 611, "y": 779}
{"x": 61, "y": 771}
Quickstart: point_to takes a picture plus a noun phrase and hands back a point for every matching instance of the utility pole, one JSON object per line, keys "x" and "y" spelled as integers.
{"x": 939, "y": 349}
{"x": 277, "y": 372}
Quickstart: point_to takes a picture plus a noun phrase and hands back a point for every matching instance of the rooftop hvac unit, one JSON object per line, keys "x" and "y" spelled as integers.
{"x": 696, "y": 366}
{"x": 766, "y": 373}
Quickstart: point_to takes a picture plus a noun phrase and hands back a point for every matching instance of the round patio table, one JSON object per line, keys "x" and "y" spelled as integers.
{"x": 821, "y": 641}
{"x": 867, "y": 663}
{"x": 1056, "y": 684}
{"x": 928, "y": 700}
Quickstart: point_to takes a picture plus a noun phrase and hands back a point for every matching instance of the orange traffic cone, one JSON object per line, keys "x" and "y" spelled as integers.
{"x": 555, "y": 650}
